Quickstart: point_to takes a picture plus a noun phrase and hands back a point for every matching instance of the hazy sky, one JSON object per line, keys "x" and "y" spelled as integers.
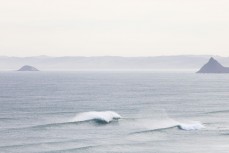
{"x": 114, "y": 27}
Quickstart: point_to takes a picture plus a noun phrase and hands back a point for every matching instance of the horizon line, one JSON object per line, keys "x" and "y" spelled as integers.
{"x": 49, "y": 56}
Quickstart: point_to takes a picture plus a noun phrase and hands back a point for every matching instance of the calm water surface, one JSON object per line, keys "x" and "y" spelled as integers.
{"x": 175, "y": 112}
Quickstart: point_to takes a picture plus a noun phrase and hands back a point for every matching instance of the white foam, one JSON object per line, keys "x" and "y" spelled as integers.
{"x": 105, "y": 116}
{"x": 192, "y": 126}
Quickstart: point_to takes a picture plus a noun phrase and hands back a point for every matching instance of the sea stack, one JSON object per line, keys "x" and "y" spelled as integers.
{"x": 28, "y": 68}
{"x": 213, "y": 66}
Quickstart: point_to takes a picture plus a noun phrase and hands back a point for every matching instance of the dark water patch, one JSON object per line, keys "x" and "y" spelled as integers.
{"x": 71, "y": 150}
{"x": 216, "y": 112}
{"x": 38, "y": 113}
{"x": 225, "y": 134}
{"x": 90, "y": 147}
{"x": 41, "y": 143}
{"x": 157, "y": 130}
{"x": 6, "y": 118}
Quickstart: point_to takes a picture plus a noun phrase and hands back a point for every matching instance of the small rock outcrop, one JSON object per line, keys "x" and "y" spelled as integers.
{"x": 28, "y": 68}
{"x": 213, "y": 66}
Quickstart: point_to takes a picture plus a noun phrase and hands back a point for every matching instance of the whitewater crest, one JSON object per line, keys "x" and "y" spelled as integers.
{"x": 103, "y": 116}
{"x": 192, "y": 126}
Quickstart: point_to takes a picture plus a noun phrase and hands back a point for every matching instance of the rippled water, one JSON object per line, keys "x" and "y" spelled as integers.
{"x": 114, "y": 112}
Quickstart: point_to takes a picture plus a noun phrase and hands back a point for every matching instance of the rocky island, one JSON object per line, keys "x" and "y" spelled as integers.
{"x": 28, "y": 68}
{"x": 213, "y": 66}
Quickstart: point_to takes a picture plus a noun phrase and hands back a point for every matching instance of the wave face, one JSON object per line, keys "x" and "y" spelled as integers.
{"x": 104, "y": 116}
{"x": 167, "y": 124}
{"x": 186, "y": 127}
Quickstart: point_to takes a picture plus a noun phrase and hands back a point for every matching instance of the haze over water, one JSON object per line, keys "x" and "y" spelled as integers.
{"x": 105, "y": 111}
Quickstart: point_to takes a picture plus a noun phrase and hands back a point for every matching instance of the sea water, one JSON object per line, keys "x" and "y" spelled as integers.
{"x": 114, "y": 112}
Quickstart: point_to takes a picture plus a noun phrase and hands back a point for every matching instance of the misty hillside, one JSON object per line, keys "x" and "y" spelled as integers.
{"x": 108, "y": 62}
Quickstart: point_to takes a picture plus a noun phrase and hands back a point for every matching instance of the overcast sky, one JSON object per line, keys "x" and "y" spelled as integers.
{"x": 114, "y": 27}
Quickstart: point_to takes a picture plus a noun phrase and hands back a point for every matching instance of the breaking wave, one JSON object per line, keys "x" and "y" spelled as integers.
{"x": 192, "y": 126}
{"x": 143, "y": 124}
{"x": 103, "y": 117}
{"x": 182, "y": 126}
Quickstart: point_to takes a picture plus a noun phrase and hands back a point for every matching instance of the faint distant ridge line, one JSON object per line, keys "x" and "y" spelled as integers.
{"x": 70, "y": 63}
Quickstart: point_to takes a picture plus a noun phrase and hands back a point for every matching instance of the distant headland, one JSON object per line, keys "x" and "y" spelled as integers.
{"x": 75, "y": 63}
{"x": 213, "y": 66}
{"x": 28, "y": 68}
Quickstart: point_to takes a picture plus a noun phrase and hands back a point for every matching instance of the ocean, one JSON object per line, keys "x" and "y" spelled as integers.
{"x": 114, "y": 112}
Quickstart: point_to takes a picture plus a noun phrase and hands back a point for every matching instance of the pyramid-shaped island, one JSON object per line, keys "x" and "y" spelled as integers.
{"x": 28, "y": 68}
{"x": 213, "y": 66}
